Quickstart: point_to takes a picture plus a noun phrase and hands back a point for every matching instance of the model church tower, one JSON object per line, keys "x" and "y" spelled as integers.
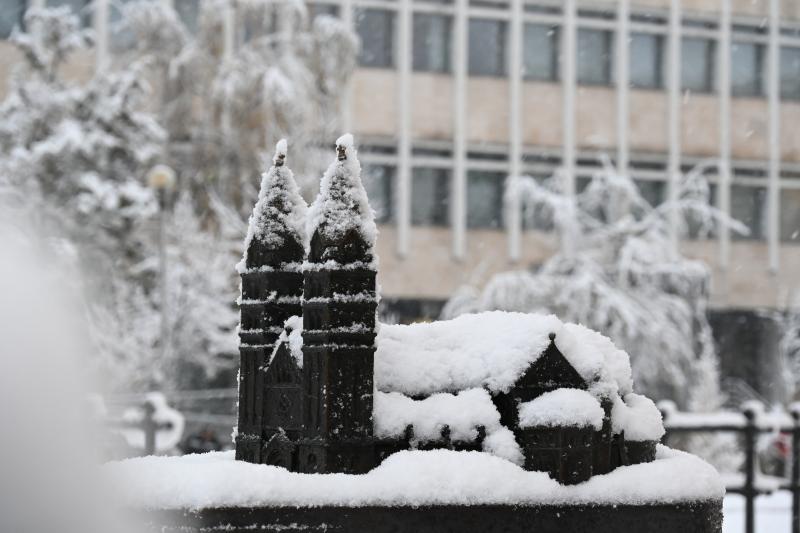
{"x": 339, "y": 307}
{"x": 272, "y": 290}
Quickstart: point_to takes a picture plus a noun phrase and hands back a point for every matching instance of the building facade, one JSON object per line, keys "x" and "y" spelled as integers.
{"x": 453, "y": 96}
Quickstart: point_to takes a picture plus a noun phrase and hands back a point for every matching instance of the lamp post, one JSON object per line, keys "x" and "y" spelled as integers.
{"x": 161, "y": 179}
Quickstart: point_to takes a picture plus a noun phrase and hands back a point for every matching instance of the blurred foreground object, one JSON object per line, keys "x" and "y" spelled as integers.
{"x": 49, "y": 478}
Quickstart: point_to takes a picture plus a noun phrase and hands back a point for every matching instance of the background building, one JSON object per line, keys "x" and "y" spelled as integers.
{"x": 452, "y": 97}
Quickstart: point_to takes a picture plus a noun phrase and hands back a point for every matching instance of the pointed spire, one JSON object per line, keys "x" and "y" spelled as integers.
{"x": 276, "y": 231}
{"x": 341, "y": 223}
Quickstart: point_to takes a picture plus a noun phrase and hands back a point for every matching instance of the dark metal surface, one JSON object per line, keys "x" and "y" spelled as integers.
{"x": 700, "y": 517}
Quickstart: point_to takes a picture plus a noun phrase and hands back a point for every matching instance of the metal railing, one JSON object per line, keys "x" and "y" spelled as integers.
{"x": 748, "y": 424}
{"x": 148, "y": 424}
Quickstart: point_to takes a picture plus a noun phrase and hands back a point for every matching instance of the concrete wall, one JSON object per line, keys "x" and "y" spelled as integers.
{"x": 375, "y": 113}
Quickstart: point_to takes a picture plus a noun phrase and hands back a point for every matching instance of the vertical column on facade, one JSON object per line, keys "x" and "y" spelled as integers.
{"x": 101, "y": 35}
{"x": 228, "y": 30}
{"x": 348, "y": 20}
{"x": 513, "y": 204}
{"x": 773, "y": 186}
{"x": 459, "y": 194}
{"x": 623, "y": 86}
{"x": 724, "y": 81}
{"x": 404, "y": 126}
{"x": 569, "y": 82}
{"x": 674, "y": 119}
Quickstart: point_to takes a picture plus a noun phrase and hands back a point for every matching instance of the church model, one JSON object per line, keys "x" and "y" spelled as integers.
{"x": 324, "y": 387}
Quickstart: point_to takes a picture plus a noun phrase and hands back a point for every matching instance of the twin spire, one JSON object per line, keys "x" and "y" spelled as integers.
{"x": 282, "y": 219}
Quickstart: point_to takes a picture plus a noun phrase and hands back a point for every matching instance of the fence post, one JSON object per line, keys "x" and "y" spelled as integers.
{"x": 149, "y": 427}
{"x": 666, "y": 407}
{"x": 795, "y": 411}
{"x": 750, "y": 433}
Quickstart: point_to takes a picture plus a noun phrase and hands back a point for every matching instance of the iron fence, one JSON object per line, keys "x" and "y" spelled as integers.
{"x": 748, "y": 424}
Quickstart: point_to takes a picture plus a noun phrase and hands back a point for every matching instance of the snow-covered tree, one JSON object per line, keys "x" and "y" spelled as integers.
{"x": 73, "y": 158}
{"x": 284, "y": 78}
{"x": 789, "y": 347}
{"x": 616, "y": 272}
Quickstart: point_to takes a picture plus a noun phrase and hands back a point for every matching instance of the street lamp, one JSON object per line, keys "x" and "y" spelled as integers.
{"x": 161, "y": 179}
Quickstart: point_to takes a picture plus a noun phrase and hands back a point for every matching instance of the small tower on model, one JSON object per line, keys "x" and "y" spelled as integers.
{"x": 339, "y": 324}
{"x": 272, "y": 290}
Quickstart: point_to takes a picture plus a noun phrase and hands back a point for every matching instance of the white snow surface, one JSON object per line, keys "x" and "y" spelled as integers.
{"x": 404, "y": 479}
{"x": 293, "y": 334}
{"x": 562, "y": 407}
{"x": 492, "y": 350}
{"x": 342, "y": 203}
{"x": 463, "y": 413}
{"x": 638, "y": 417}
{"x": 269, "y": 223}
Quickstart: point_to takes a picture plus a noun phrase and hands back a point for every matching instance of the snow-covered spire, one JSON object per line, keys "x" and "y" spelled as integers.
{"x": 276, "y": 232}
{"x": 341, "y": 214}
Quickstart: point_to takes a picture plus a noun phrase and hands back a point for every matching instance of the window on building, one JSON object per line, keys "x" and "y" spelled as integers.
{"x": 120, "y": 38}
{"x": 748, "y": 206}
{"x": 647, "y": 64}
{"x": 487, "y": 47}
{"x": 654, "y": 192}
{"x": 537, "y": 217}
{"x": 541, "y": 52}
{"x": 697, "y": 227}
{"x": 315, "y": 10}
{"x": 747, "y": 69}
{"x": 188, "y": 11}
{"x": 80, "y": 8}
{"x": 697, "y": 64}
{"x": 790, "y": 73}
{"x": 595, "y": 53}
{"x": 432, "y": 42}
{"x": 10, "y": 16}
{"x": 430, "y": 195}
{"x": 485, "y": 199}
{"x": 790, "y": 215}
{"x": 379, "y": 183}
{"x": 257, "y": 20}
{"x": 376, "y": 30}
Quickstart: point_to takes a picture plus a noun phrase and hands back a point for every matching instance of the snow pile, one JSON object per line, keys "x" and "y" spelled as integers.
{"x": 293, "y": 334}
{"x": 167, "y": 438}
{"x": 491, "y": 350}
{"x": 462, "y": 413}
{"x": 342, "y": 204}
{"x": 280, "y": 211}
{"x": 404, "y": 479}
{"x": 562, "y": 407}
{"x": 638, "y": 417}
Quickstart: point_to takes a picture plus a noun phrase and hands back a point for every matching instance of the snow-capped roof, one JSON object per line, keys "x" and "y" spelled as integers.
{"x": 280, "y": 209}
{"x": 462, "y": 413}
{"x": 342, "y": 204}
{"x": 492, "y": 350}
{"x": 562, "y": 407}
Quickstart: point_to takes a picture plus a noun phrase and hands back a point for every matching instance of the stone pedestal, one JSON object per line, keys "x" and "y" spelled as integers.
{"x": 697, "y": 517}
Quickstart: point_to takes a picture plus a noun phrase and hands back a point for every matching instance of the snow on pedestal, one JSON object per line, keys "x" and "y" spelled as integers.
{"x": 437, "y": 477}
